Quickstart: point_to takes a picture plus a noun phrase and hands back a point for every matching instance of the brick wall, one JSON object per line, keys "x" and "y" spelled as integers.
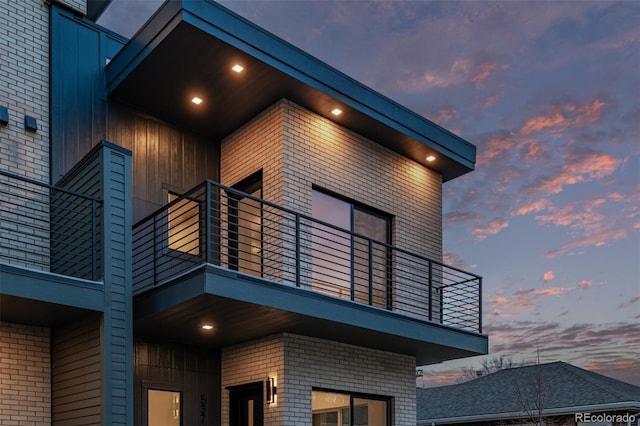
{"x": 25, "y": 375}
{"x": 311, "y": 362}
{"x": 300, "y": 364}
{"x": 297, "y": 150}
{"x": 24, "y": 87}
{"x": 253, "y": 362}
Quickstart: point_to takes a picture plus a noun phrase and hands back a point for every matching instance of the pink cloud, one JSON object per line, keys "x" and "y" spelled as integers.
{"x": 599, "y": 239}
{"x": 548, "y": 276}
{"x": 585, "y": 284}
{"x": 592, "y": 165}
{"x": 482, "y": 72}
{"x": 534, "y": 206}
{"x": 495, "y": 226}
{"x": 566, "y": 116}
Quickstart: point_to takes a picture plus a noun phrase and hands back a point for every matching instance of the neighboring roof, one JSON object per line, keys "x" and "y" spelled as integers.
{"x": 188, "y": 47}
{"x": 566, "y": 389}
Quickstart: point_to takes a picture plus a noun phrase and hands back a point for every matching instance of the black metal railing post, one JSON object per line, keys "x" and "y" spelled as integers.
{"x": 479, "y": 304}
{"x": 298, "y": 248}
{"x": 94, "y": 240}
{"x": 207, "y": 223}
{"x": 154, "y": 248}
{"x": 370, "y": 272}
{"x": 430, "y": 290}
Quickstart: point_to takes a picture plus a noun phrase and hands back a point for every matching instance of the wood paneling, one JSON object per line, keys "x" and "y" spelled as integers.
{"x": 162, "y": 156}
{"x": 191, "y": 370}
{"x": 77, "y": 373}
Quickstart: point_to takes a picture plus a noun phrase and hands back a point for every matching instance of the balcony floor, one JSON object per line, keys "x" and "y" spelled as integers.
{"x": 242, "y": 308}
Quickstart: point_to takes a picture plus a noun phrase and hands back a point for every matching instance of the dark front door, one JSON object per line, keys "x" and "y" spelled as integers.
{"x": 246, "y": 405}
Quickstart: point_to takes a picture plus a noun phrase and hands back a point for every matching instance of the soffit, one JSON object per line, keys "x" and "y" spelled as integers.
{"x": 188, "y": 48}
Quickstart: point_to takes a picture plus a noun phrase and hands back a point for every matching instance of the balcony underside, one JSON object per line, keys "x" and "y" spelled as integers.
{"x": 242, "y": 307}
{"x": 44, "y": 299}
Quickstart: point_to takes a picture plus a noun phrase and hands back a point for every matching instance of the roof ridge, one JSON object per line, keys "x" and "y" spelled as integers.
{"x": 596, "y": 379}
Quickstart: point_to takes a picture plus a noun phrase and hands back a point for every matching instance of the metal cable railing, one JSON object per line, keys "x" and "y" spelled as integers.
{"x": 48, "y": 228}
{"x": 221, "y": 226}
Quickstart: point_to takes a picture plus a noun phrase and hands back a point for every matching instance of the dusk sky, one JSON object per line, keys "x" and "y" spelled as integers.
{"x": 549, "y": 92}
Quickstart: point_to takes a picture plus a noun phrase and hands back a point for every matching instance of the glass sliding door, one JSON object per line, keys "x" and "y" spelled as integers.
{"x": 371, "y": 259}
{"x": 331, "y": 246}
{"x": 350, "y": 258}
{"x": 344, "y": 409}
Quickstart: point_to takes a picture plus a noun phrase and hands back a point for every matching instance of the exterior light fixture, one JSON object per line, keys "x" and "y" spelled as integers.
{"x": 272, "y": 390}
{"x": 431, "y": 158}
{"x": 196, "y": 100}
{"x": 207, "y": 327}
{"x": 336, "y": 111}
{"x": 237, "y": 68}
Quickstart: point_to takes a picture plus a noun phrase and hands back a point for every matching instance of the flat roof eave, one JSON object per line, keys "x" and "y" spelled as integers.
{"x": 185, "y": 31}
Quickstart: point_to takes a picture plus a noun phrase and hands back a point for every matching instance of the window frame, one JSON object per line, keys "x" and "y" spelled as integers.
{"x": 352, "y": 396}
{"x": 372, "y": 211}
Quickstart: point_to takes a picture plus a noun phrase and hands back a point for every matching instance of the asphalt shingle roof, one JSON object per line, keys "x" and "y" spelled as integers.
{"x": 511, "y": 391}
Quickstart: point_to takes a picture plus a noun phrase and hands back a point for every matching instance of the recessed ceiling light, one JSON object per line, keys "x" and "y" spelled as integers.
{"x": 196, "y": 100}
{"x": 431, "y": 158}
{"x": 336, "y": 111}
{"x": 207, "y": 327}
{"x": 237, "y": 68}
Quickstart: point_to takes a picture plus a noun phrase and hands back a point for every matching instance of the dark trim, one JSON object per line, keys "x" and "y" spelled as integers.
{"x": 359, "y": 395}
{"x": 52, "y": 288}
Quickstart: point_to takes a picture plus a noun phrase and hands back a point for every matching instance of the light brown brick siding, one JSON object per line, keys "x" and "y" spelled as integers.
{"x": 300, "y": 364}
{"x": 298, "y": 150}
{"x": 25, "y": 375}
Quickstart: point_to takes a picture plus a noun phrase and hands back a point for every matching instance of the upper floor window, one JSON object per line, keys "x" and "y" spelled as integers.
{"x": 354, "y": 264}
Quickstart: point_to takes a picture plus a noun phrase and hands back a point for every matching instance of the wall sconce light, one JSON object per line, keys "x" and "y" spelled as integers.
{"x": 272, "y": 390}
{"x": 30, "y": 124}
{"x": 4, "y": 115}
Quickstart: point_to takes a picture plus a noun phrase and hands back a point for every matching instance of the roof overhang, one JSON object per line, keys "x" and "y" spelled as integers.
{"x": 242, "y": 308}
{"x": 187, "y": 49}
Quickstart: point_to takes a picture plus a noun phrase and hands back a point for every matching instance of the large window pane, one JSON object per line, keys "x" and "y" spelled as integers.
{"x": 331, "y": 247}
{"x": 346, "y": 265}
{"x": 343, "y": 409}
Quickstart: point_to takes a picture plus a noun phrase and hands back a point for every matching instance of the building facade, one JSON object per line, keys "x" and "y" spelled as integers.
{"x": 268, "y": 255}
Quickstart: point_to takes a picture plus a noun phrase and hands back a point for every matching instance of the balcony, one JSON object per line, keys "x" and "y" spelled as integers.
{"x": 228, "y": 230}
{"x": 48, "y": 228}
{"x": 49, "y": 252}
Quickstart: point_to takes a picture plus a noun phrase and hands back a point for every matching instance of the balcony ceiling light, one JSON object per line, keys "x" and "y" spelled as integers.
{"x": 207, "y": 327}
{"x": 237, "y": 68}
{"x": 431, "y": 158}
{"x": 196, "y": 100}
{"x": 336, "y": 111}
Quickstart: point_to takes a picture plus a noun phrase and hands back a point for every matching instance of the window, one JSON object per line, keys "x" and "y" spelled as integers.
{"x": 164, "y": 408}
{"x": 330, "y": 408}
{"x": 183, "y": 225}
{"x": 350, "y": 256}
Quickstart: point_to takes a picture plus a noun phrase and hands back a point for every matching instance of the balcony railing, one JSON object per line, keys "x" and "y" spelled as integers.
{"x": 224, "y": 227}
{"x": 48, "y": 228}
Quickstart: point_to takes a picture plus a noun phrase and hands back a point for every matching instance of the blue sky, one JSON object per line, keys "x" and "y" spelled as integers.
{"x": 549, "y": 92}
